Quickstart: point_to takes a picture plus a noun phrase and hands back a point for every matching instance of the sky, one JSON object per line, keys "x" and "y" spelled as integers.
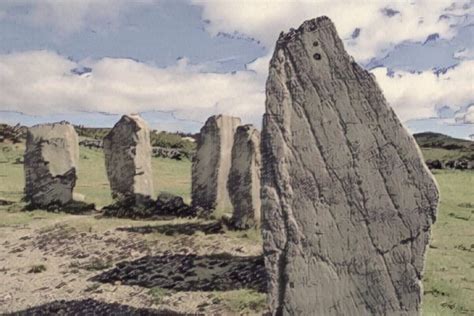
{"x": 178, "y": 62}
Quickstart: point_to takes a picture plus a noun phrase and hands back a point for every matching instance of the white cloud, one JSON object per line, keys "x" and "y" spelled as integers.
{"x": 264, "y": 19}
{"x": 41, "y": 82}
{"x": 418, "y": 95}
{"x": 466, "y": 117}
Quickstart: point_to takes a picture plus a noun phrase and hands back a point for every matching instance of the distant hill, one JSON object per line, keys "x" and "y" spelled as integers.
{"x": 437, "y": 140}
{"x": 443, "y": 147}
{"x": 435, "y": 146}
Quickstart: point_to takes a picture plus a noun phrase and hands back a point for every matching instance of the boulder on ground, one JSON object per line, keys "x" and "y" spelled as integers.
{"x": 347, "y": 201}
{"x": 244, "y": 177}
{"x": 166, "y": 205}
{"x": 92, "y": 143}
{"x": 50, "y": 164}
{"x": 212, "y": 161}
{"x": 435, "y": 164}
{"x": 127, "y": 152}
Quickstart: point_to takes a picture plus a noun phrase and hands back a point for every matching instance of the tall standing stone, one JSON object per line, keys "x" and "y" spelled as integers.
{"x": 127, "y": 151}
{"x": 50, "y": 163}
{"x": 347, "y": 202}
{"x": 211, "y": 164}
{"x": 244, "y": 177}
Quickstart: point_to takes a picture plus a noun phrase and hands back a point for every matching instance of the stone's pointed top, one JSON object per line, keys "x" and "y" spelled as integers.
{"x": 307, "y": 26}
{"x": 134, "y": 118}
{"x": 222, "y": 116}
{"x": 48, "y": 130}
{"x": 248, "y": 129}
{"x": 245, "y": 127}
{"x": 215, "y": 119}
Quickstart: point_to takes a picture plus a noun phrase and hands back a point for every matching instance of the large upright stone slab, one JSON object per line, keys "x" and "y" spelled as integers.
{"x": 211, "y": 164}
{"x": 127, "y": 151}
{"x": 50, "y": 163}
{"x": 244, "y": 177}
{"x": 347, "y": 202}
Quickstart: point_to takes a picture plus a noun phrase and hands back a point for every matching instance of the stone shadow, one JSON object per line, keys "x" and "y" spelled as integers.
{"x": 91, "y": 307}
{"x": 178, "y": 229}
{"x": 218, "y": 272}
{"x": 73, "y": 207}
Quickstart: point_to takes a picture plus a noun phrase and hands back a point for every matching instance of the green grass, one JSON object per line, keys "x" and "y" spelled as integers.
{"x": 92, "y": 179}
{"x": 158, "y": 294}
{"x": 243, "y": 301}
{"x": 16, "y": 218}
{"x": 12, "y": 179}
{"x": 449, "y": 272}
{"x": 172, "y": 176}
{"x": 442, "y": 154}
{"x": 169, "y": 175}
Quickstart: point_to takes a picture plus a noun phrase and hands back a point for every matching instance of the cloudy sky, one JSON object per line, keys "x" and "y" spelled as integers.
{"x": 179, "y": 61}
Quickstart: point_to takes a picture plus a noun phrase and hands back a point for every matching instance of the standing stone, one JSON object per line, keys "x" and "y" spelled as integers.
{"x": 50, "y": 163}
{"x": 244, "y": 177}
{"x": 127, "y": 151}
{"x": 211, "y": 164}
{"x": 347, "y": 202}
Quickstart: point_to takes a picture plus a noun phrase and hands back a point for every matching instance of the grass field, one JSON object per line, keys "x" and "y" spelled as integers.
{"x": 169, "y": 175}
{"x": 449, "y": 274}
{"x": 442, "y": 154}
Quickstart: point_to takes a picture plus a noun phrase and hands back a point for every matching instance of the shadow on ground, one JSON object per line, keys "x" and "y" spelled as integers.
{"x": 175, "y": 229}
{"x": 221, "y": 272}
{"x": 91, "y": 307}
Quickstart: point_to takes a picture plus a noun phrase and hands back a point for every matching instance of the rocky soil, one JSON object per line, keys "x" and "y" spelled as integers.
{"x": 69, "y": 264}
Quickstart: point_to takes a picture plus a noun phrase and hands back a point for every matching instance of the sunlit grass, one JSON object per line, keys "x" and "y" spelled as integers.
{"x": 449, "y": 272}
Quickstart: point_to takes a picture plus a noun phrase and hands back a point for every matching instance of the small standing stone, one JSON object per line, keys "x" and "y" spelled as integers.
{"x": 211, "y": 164}
{"x": 127, "y": 152}
{"x": 244, "y": 177}
{"x": 50, "y": 163}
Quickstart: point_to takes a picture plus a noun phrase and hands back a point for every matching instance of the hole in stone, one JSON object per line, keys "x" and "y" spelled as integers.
{"x": 315, "y": 43}
{"x": 317, "y": 56}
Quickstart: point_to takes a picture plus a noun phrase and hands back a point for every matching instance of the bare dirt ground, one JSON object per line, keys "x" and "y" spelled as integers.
{"x": 185, "y": 266}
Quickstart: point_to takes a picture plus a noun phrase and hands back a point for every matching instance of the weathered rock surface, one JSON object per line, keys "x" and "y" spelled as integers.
{"x": 347, "y": 202}
{"x": 211, "y": 164}
{"x": 127, "y": 151}
{"x": 50, "y": 163}
{"x": 244, "y": 177}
